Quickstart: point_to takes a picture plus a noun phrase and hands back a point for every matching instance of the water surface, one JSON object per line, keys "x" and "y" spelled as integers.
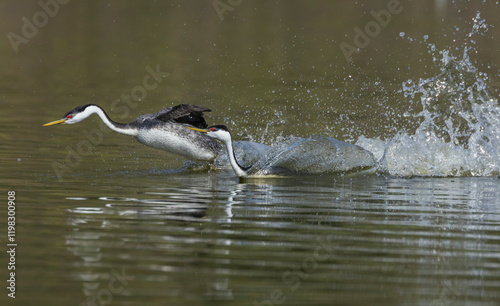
{"x": 102, "y": 219}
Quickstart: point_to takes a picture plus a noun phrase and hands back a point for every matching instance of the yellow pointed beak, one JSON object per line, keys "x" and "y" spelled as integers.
{"x": 197, "y": 129}
{"x": 55, "y": 122}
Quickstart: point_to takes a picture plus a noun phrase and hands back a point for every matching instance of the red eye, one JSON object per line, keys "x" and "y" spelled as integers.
{"x": 212, "y": 129}
{"x": 69, "y": 116}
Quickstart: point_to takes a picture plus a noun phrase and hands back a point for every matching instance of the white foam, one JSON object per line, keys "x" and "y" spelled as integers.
{"x": 460, "y": 130}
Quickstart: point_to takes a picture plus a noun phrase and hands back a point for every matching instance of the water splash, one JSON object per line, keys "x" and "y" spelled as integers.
{"x": 316, "y": 155}
{"x": 296, "y": 155}
{"x": 459, "y": 133}
{"x": 458, "y": 130}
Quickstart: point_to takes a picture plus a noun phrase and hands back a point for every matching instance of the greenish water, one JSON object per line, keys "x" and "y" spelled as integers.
{"x": 109, "y": 221}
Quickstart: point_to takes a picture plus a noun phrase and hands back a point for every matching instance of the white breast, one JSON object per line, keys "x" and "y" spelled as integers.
{"x": 186, "y": 144}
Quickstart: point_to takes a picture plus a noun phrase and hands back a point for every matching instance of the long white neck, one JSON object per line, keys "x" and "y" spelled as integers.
{"x": 239, "y": 170}
{"x": 115, "y": 126}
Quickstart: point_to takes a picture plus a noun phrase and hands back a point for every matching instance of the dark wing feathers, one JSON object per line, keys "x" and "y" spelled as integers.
{"x": 185, "y": 114}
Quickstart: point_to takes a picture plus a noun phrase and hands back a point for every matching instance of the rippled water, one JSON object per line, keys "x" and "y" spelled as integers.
{"x": 198, "y": 238}
{"x": 106, "y": 220}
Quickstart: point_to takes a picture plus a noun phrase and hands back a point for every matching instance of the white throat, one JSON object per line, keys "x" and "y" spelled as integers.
{"x": 117, "y": 127}
{"x": 232, "y": 159}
